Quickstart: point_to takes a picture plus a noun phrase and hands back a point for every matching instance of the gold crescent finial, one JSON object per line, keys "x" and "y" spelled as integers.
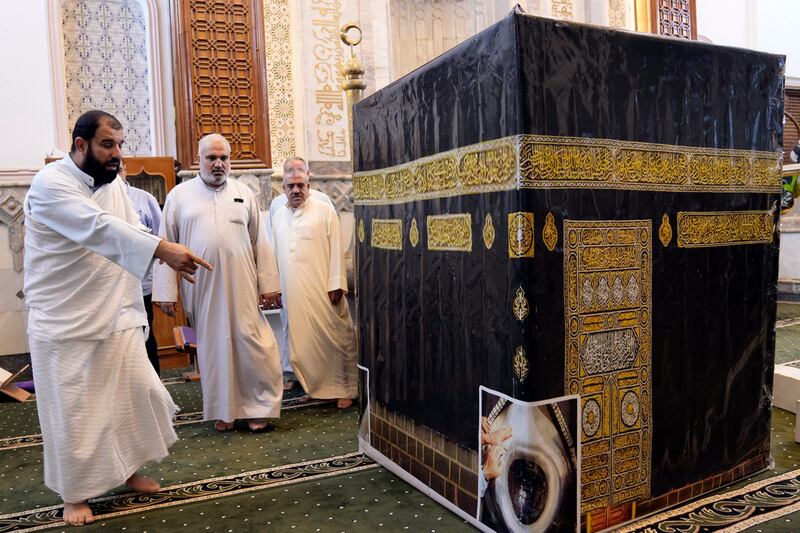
{"x": 344, "y": 33}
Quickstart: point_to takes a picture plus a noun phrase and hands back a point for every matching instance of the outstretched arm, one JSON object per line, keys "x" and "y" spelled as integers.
{"x": 56, "y": 202}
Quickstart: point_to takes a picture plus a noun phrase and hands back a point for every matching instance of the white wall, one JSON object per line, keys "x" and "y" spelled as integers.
{"x": 29, "y": 133}
{"x": 26, "y": 103}
{"x": 766, "y": 25}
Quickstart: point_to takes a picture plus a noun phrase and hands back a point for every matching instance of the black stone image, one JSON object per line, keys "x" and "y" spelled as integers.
{"x": 528, "y": 464}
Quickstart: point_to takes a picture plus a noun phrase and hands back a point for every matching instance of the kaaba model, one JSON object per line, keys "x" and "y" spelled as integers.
{"x": 566, "y": 267}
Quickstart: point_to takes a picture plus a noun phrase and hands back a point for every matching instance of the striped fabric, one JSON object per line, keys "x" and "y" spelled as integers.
{"x": 103, "y": 412}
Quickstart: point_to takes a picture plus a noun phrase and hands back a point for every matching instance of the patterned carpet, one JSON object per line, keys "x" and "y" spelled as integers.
{"x": 307, "y": 475}
{"x": 301, "y": 434}
{"x": 736, "y": 511}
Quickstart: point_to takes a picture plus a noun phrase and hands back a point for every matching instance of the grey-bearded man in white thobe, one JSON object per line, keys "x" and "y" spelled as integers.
{"x": 308, "y": 243}
{"x": 219, "y": 218}
{"x": 103, "y": 411}
{"x": 289, "y": 377}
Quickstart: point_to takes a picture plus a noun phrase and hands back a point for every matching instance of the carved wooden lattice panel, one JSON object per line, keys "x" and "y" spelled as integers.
{"x": 221, "y": 79}
{"x": 676, "y": 18}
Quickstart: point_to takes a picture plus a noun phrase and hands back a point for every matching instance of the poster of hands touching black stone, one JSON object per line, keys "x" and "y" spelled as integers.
{"x": 528, "y": 464}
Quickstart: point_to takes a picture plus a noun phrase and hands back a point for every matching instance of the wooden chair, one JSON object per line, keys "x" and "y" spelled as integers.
{"x": 186, "y": 342}
{"x": 155, "y": 175}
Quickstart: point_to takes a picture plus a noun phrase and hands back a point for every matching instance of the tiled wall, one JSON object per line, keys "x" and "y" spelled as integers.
{"x": 107, "y": 65}
{"x": 449, "y": 469}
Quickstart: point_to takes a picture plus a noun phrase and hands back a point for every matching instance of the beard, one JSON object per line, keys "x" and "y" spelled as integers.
{"x": 100, "y": 171}
{"x": 214, "y": 180}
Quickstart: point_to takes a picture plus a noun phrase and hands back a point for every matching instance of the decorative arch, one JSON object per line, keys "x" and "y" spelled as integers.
{"x": 90, "y": 69}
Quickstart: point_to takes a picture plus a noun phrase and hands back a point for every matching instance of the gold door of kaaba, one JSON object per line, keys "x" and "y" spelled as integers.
{"x": 607, "y": 289}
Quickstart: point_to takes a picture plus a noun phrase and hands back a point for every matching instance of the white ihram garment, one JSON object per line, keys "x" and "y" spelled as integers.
{"x": 240, "y": 370}
{"x": 102, "y": 409}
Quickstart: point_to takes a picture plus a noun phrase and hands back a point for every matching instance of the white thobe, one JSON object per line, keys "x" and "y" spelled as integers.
{"x": 102, "y": 409}
{"x": 240, "y": 371}
{"x": 311, "y": 263}
{"x": 277, "y": 203}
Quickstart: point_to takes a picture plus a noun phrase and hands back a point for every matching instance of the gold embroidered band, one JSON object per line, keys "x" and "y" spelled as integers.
{"x": 724, "y": 228}
{"x": 535, "y": 161}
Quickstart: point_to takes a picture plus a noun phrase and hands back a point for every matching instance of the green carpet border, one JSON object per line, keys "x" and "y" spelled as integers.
{"x": 109, "y": 506}
{"x": 181, "y": 419}
{"x": 753, "y": 498}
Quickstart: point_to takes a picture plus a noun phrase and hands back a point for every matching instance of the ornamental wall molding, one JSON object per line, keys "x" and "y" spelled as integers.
{"x": 11, "y": 214}
{"x": 17, "y": 177}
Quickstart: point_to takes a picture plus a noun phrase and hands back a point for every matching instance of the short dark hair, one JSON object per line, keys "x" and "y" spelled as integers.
{"x": 87, "y": 124}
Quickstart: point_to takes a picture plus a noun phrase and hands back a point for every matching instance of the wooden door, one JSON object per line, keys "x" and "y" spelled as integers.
{"x": 156, "y": 175}
{"x": 220, "y": 78}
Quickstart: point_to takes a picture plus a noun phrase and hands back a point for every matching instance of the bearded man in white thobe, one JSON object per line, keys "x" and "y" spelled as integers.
{"x": 289, "y": 378}
{"x": 308, "y": 243}
{"x": 240, "y": 370}
{"x": 103, "y": 411}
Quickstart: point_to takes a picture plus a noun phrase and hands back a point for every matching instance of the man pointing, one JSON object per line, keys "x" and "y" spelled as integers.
{"x": 102, "y": 408}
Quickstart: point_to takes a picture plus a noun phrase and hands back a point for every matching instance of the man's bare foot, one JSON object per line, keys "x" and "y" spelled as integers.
{"x": 77, "y": 514}
{"x": 289, "y": 385}
{"x": 140, "y": 483}
{"x": 221, "y": 425}
{"x": 344, "y": 403}
{"x": 304, "y": 398}
{"x": 258, "y": 424}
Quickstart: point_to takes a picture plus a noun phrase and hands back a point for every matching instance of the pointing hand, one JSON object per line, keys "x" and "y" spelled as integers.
{"x": 180, "y": 259}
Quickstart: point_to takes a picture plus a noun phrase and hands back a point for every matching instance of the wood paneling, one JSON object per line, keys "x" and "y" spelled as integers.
{"x": 165, "y": 339}
{"x": 155, "y": 175}
{"x": 676, "y": 18}
{"x": 220, "y": 79}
